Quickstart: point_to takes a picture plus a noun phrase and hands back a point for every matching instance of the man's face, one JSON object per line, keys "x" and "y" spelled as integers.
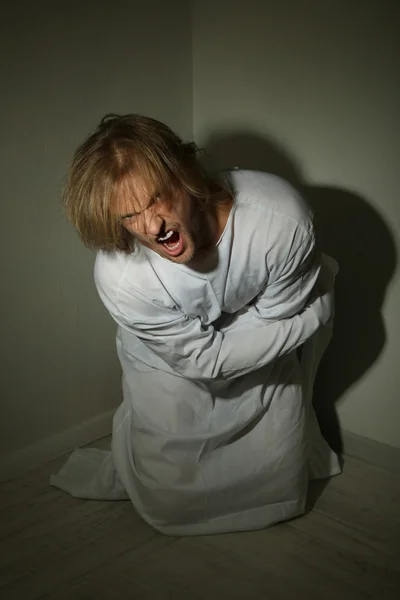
{"x": 167, "y": 225}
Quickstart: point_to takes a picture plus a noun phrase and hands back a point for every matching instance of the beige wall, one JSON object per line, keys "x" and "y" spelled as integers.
{"x": 309, "y": 89}
{"x": 305, "y": 89}
{"x": 63, "y": 66}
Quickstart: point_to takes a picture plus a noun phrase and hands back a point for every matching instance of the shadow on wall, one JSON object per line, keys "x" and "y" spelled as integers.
{"x": 354, "y": 233}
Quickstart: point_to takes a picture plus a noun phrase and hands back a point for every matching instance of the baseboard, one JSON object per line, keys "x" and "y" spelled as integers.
{"x": 35, "y": 455}
{"x": 370, "y": 451}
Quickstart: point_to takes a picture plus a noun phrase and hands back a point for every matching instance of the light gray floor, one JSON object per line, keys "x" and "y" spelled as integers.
{"x": 53, "y": 546}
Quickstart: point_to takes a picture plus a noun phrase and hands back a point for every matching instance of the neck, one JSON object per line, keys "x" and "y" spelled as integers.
{"x": 213, "y": 223}
{"x": 221, "y": 212}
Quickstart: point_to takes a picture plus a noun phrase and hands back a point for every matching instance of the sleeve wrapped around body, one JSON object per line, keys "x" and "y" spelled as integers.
{"x": 202, "y": 352}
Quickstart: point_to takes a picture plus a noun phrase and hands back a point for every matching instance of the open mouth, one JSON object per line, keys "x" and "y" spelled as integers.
{"x": 172, "y": 243}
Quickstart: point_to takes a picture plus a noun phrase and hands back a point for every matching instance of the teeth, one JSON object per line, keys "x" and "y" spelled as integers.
{"x": 166, "y": 237}
{"x": 174, "y": 247}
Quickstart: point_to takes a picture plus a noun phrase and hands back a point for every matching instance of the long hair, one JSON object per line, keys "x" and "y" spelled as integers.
{"x": 119, "y": 148}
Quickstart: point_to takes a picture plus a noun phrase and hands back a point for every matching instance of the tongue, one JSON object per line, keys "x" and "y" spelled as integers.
{"x": 174, "y": 245}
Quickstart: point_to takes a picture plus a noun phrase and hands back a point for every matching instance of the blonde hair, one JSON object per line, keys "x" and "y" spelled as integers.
{"x": 120, "y": 147}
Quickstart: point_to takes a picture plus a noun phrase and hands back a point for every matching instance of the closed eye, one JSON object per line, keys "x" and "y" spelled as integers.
{"x": 130, "y": 216}
{"x": 154, "y": 199}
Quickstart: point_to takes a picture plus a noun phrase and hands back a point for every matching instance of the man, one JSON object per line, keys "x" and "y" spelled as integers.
{"x": 213, "y": 283}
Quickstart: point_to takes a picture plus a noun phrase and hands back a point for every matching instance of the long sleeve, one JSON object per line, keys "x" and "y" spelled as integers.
{"x": 293, "y": 277}
{"x": 201, "y": 352}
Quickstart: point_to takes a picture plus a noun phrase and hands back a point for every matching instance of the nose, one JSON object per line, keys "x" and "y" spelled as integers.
{"x": 153, "y": 223}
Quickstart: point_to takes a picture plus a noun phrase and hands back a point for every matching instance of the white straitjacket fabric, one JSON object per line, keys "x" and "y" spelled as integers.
{"x": 216, "y": 431}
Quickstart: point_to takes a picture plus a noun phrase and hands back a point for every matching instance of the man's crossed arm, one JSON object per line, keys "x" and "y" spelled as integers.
{"x": 295, "y": 303}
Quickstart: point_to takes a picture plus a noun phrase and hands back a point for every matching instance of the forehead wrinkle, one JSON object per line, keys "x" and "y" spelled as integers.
{"x": 131, "y": 196}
